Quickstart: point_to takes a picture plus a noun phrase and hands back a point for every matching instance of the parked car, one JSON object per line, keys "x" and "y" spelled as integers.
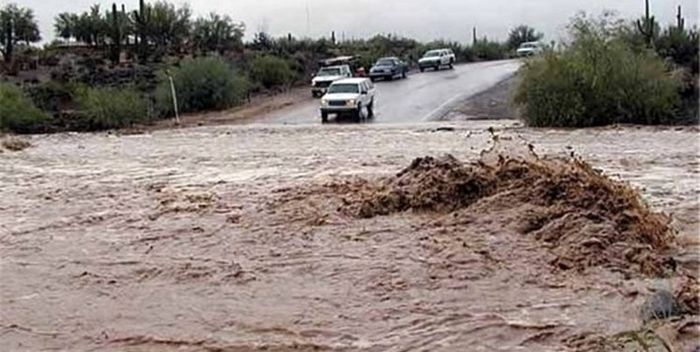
{"x": 530, "y": 49}
{"x": 388, "y": 68}
{"x": 326, "y": 76}
{"x": 349, "y": 96}
{"x": 436, "y": 59}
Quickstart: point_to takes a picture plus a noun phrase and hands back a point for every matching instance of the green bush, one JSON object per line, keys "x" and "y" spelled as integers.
{"x": 597, "y": 80}
{"x": 18, "y": 113}
{"x": 106, "y": 108}
{"x": 50, "y": 96}
{"x": 489, "y": 50}
{"x": 271, "y": 71}
{"x": 201, "y": 84}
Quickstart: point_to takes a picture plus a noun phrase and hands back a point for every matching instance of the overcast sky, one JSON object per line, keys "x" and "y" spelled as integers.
{"x": 421, "y": 19}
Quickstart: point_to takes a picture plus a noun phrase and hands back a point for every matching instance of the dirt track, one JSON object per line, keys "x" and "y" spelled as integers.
{"x": 204, "y": 239}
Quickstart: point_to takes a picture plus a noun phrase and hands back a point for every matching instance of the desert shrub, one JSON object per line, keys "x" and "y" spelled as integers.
{"x": 271, "y": 71}
{"x": 18, "y": 113}
{"x": 50, "y": 96}
{"x": 489, "y": 50}
{"x": 106, "y": 108}
{"x": 207, "y": 83}
{"x": 597, "y": 80}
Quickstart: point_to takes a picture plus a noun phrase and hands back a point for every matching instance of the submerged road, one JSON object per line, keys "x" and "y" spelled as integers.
{"x": 420, "y": 97}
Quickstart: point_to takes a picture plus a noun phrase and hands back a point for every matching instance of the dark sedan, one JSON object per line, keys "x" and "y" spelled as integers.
{"x": 388, "y": 68}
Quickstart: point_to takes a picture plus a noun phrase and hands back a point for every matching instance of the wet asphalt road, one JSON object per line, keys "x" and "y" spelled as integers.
{"x": 421, "y": 97}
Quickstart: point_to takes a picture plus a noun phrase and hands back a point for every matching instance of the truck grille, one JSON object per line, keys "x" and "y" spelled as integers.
{"x": 337, "y": 103}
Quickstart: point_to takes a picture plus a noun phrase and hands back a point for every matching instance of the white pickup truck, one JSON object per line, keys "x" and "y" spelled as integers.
{"x": 326, "y": 76}
{"x": 349, "y": 96}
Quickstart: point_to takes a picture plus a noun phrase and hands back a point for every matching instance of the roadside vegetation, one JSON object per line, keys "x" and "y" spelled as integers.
{"x": 111, "y": 67}
{"x": 17, "y": 112}
{"x": 206, "y": 83}
{"x": 614, "y": 71}
{"x": 106, "y": 108}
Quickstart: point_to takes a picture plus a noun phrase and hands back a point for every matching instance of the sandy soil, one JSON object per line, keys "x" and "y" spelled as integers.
{"x": 218, "y": 239}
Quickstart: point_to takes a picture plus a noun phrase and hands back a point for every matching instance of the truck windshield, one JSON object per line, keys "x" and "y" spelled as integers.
{"x": 343, "y": 88}
{"x": 385, "y": 62}
{"x": 329, "y": 72}
{"x": 432, "y": 54}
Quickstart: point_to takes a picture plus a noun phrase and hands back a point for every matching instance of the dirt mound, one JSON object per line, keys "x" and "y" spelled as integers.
{"x": 15, "y": 144}
{"x": 435, "y": 184}
{"x": 586, "y": 218}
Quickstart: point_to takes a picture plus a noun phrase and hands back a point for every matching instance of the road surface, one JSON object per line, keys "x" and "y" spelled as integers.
{"x": 421, "y": 97}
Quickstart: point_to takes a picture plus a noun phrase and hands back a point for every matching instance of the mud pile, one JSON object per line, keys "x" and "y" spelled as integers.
{"x": 14, "y": 144}
{"x": 586, "y": 218}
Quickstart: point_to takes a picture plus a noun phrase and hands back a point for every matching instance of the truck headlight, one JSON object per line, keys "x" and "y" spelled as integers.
{"x": 351, "y": 102}
{"x": 324, "y": 102}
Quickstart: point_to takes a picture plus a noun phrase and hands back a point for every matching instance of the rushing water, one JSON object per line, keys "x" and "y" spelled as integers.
{"x": 175, "y": 240}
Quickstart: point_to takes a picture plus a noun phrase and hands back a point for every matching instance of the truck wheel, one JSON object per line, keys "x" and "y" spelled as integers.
{"x": 324, "y": 117}
{"x": 403, "y": 74}
{"x": 390, "y": 77}
{"x": 422, "y": 69}
{"x": 437, "y": 68}
{"x": 370, "y": 109}
{"x": 314, "y": 94}
{"x": 358, "y": 113}
{"x": 452, "y": 66}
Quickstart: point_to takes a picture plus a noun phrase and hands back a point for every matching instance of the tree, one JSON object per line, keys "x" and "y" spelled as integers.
{"x": 65, "y": 24}
{"x": 263, "y": 41}
{"x": 216, "y": 33}
{"x": 522, "y": 34}
{"x": 168, "y": 27}
{"x": 18, "y": 26}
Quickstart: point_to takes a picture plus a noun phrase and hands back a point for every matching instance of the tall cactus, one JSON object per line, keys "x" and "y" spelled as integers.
{"x": 142, "y": 19}
{"x": 9, "y": 43}
{"x": 647, "y": 26}
{"x": 680, "y": 21}
{"x": 126, "y": 27}
{"x": 474, "y": 39}
{"x": 116, "y": 34}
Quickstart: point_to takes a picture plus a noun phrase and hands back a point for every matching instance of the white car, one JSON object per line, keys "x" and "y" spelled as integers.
{"x": 436, "y": 59}
{"x": 349, "y": 96}
{"x": 530, "y": 49}
{"x": 326, "y": 76}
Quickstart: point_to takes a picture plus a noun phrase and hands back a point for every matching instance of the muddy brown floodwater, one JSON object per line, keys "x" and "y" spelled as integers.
{"x": 222, "y": 239}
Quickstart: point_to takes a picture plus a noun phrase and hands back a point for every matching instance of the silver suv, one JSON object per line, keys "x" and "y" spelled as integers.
{"x": 349, "y": 96}
{"x": 436, "y": 59}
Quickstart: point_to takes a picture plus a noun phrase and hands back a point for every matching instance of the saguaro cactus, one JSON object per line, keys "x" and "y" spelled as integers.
{"x": 116, "y": 34}
{"x": 647, "y": 26}
{"x": 680, "y": 21}
{"x": 9, "y": 43}
{"x": 474, "y": 39}
{"x": 142, "y": 19}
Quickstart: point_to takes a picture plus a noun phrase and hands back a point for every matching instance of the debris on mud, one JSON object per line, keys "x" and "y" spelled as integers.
{"x": 174, "y": 200}
{"x": 15, "y": 144}
{"x": 688, "y": 294}
{"x": 661, "y": 305}
{"x": 678, "y": 334}
{"x": 586, "y": 218}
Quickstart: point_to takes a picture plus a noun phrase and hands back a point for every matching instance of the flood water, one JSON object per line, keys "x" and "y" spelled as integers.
{"x": 177, "y": 240}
